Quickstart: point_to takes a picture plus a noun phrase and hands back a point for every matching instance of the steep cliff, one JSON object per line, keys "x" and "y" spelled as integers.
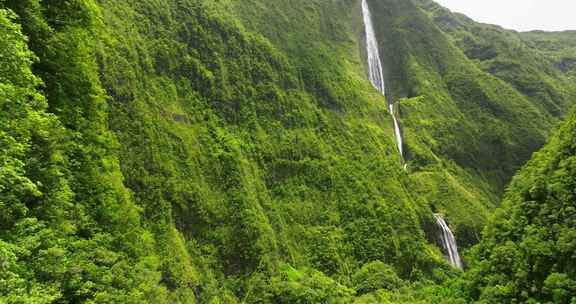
{"x": 195, "y": 151}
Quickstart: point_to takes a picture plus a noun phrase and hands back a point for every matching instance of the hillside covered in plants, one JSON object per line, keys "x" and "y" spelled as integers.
{"x": 237, "y": 151}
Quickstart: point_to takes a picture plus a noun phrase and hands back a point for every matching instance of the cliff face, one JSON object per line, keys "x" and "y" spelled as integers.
{"x": 198, "y": 151}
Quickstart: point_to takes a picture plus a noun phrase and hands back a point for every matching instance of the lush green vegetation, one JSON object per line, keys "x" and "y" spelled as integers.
{"x": 534, "y": 63}
{"x": 70, "y": 232}
{"x": 527, "y": 253}
{"x": 233, "y": 151}
{"x": 559, "y": 48}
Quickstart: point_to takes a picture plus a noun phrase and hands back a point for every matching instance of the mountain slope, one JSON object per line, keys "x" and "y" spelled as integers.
{"x": 527, "y": 253}
{"x": 236, "y": 167}
{"x": 516, "y": 58}
{"x": 70, "y": 231}
{"x": 559, "y": 48}
{"x": 457, "y": 102}
{"x": 248, "y": 154}
{"x": 231, "y": 151}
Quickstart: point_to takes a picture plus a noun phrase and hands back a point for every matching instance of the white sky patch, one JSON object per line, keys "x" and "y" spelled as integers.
{"x": 521, "y": 15}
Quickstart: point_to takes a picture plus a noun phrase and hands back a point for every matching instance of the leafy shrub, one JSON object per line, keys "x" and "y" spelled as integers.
{"x": 376, "y": 275}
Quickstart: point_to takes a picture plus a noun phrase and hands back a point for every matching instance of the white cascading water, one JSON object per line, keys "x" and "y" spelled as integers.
{"x": 397, "y": 130}
{"x": 376, "y": 76}
{"x": 375, "y": 70}
{"x": 448, "y": 242}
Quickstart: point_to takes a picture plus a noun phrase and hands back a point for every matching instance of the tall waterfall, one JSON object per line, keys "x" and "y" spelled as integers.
{"x": 448, "y": 242}
{"x": 376, "y": 72}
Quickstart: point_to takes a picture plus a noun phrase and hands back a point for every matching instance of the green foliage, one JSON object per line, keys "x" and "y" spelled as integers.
{"x": 245, "y": 156}
{"x": 189, "y": 151}
{"x": 535, "y": 63}
{"x": 527, "y": 253}
{"x": 559, "y": 48}
{"x": 69, "y": 229}
{"x": 374, "y": 276}
{"x": 302, "y": 286}
{"x": 23, "y": 126}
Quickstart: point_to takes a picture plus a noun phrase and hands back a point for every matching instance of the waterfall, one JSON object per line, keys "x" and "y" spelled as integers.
{"x": 448, "y": 242}
{"x": 376, "y": 72}
{"x": 397, "y": 131}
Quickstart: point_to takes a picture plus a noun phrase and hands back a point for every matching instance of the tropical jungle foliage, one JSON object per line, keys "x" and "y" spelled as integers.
{"x": 233, "y": 151}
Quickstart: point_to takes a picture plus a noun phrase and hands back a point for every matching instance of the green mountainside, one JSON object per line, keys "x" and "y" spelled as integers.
{"x": 534, "y": 63}
{"x": 559, "y": 48}
{"x": 527, "y": 253}
{"x": 234, "y": 151}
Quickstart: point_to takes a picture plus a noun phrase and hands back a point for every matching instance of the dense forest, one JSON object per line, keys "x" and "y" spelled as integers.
{"x": 236, "y": 151}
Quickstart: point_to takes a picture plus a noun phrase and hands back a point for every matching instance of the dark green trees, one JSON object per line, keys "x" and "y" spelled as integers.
{"x": 527, "y": 253}
{"x": 70, "y": 231}
{"x": 198, "y": 151}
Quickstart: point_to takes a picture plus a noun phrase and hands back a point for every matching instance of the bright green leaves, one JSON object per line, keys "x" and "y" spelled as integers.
{"x": 374, "y": 276}
{"x": 301, "y": 286}
{"x": 16, "y": 58}
{"x": 529, "y": 246}
{"x": 62, "y": 13}
{"x": 561, "y": 287}
{"x": 18, "y": 289}
{"x": 20, "y": 121}
{"x": 69, "y": 224}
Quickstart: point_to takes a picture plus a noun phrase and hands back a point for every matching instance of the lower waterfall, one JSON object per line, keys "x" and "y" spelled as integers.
{"x": 448, "y": 242}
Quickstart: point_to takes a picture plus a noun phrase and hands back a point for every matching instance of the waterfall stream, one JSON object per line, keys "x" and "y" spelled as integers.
{"x": 376, "y": 76}
{"x": 376, "y": 71}
{"x": 448, "y": 242}
{"x": 397, "y": 131}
